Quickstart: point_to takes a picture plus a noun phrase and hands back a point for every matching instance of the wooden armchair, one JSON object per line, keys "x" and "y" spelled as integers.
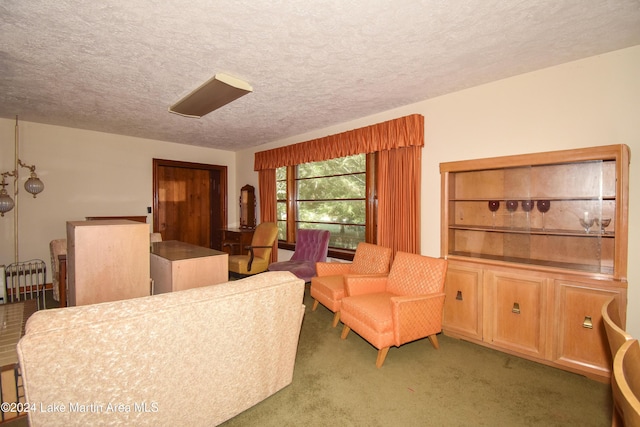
{"x": 405, "y": 306}
{"x": 616, "y": 336}
{"x": 625, "y": 382}
{"x": 259, "y": 256}
{"x": 327, "y": 287}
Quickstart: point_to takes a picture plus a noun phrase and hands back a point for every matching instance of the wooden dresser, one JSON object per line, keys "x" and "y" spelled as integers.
{"x": 234, "y": 240}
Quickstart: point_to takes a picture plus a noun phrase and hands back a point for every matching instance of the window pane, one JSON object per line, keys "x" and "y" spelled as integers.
{"x": 336, "y": 212}
{"x": 342, "y": 236}
{"x": 282, "y": 230}
{"x": 281, "y": 190}
{"x": 335, "y": 187}
{"x": 342, "y": 165}
{"x": 281, "y": 216}
{"x": 281, "y": 211}
{"x": 329, "y": 195}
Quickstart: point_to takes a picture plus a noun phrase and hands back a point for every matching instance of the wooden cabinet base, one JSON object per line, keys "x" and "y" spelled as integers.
{"x": 550, "y": 318}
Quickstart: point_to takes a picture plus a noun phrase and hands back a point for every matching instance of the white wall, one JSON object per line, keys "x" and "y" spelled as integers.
{"x": 595, "y": 101}
{"x": 86, "y": 174}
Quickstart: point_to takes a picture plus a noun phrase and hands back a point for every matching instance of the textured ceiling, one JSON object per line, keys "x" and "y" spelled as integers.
{"x": 117, "y": 66}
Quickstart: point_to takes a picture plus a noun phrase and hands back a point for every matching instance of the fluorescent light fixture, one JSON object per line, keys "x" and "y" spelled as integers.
{"x": 220, "y": 90}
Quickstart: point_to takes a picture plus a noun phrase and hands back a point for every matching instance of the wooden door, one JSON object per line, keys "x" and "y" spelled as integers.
{"x": 189, "y": 202}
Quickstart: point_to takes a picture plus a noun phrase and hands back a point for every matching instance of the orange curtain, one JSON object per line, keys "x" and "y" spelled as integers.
{"x": 268, "y": 201}
{"x": 399, "y": 145}
{"x": 405, "y": 131}
{"x": 398, "y": 187}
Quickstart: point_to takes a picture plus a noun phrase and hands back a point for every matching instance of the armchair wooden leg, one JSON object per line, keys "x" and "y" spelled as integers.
{"x": 382, "y": 354}
{"x": 434, "y": 341}
{"x": 315, "y": 305}
{"x": 336, "y": 319}
{"x": 345, "y": 332}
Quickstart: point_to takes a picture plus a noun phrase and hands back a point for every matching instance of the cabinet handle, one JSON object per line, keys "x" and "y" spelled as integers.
{"x": 459, "y": 296}
{"x": 587, "y": 323}
{"x": 516, "y": 308}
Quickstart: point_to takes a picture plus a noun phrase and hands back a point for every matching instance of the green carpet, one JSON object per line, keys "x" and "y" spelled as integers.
{"x": 461, "y": 384}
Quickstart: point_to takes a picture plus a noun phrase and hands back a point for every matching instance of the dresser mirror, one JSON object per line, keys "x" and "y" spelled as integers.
{"x": 247, "y": 207}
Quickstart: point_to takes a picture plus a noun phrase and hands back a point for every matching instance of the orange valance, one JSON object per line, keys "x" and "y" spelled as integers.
{"x": 403, "y": 132}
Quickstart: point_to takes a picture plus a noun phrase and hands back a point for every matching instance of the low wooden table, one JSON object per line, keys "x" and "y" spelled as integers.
{"x": 176, "y": 266}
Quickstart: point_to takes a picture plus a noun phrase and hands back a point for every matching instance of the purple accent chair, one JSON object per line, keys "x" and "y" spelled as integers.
{"x": 312, "y": 246}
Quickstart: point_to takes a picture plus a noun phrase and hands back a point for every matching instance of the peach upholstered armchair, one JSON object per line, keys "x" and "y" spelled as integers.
{"x": 327, "y": 287}
{"x": 402, "y": 307}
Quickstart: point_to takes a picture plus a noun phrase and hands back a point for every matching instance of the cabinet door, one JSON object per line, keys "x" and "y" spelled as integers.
{"x": 516, "y": 312}
{"x": 463, "y": 302}
{"x": 580, "y": 340}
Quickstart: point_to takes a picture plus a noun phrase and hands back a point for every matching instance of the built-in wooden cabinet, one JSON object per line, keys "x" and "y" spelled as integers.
{"x": 536, "y": 244}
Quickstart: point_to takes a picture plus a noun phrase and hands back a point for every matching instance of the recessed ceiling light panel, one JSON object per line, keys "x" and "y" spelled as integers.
{"x": 220, "y": 90}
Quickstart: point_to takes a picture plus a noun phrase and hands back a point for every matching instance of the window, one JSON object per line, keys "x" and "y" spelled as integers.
{"x": 334, "y": 195}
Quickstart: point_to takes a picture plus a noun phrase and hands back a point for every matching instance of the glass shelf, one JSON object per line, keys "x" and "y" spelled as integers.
{"x": 536, "y": 231}
{"x": 536, "y": 209}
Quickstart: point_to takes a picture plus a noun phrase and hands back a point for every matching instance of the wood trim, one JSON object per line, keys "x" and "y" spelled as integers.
{"x": 223, "y": 196}
{"x": 607, "y": 152}
{"x": 137, "y": 218}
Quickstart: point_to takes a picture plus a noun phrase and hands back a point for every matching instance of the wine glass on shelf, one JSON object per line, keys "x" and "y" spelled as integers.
{"x": 527, "y": 206}
{"x": 543, "y": 207}
{"x": 587, "y": 222}
{"x": 512, "y": 206}
{"x": 494, "y": 205}
{"x": 603, "y": 223}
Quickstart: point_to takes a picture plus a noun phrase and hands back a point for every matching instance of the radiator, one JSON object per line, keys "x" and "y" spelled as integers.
{"x": 12, "y": 321}
{"x": 25, "y": 280}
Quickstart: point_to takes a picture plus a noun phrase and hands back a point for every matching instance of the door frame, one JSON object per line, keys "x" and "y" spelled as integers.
{"x": 222, "y": 170}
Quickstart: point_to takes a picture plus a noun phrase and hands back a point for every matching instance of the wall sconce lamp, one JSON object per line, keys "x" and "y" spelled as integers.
{"x": 33, "y": 185}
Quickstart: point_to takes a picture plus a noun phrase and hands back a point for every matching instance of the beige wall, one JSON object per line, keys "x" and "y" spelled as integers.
{"x": 85, "y": 174}
{"x": 595, "y": 101}
{"x": 591, "y": 102}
